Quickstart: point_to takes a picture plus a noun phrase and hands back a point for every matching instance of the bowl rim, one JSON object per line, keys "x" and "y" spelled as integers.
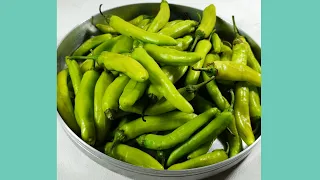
{"x": 141, "y": 170}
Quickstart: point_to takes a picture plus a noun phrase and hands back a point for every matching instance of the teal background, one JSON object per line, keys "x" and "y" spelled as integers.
{"x": 290, "y": 90}
{"x": 27, "y": 90}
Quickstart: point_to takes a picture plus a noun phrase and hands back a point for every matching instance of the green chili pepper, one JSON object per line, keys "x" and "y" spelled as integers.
{"x": 222, "y": 103}
{"x": 254, "y": 104}
{"x": 207, "y": 24}
{"x": 204, "y": 160}
{"x": 102, "y": 124}
{"x": 91, "y": 43}
{"x": 138, "y": 19}
{"x": 138, "y": 106}
{"x": 171, "y": 57}
{"x": 254, "y": 99}
{"x": 203, "y": 149}
{"x": 171, "y": 23}
{"x": 252, "y": 61}
{"x": 132, "y": 92}
{"x": 174, "y": 73}
{"x": 134, "y": 32}
{"x": 163, "y": 122}
{"x": 64, "y": 103}
{"x": 179, "y": 135}
{"x": 110, "y": 100}
{"x": 105, "y": 28}
{"x": 87, "y": 65}
{"x": 202, "y": 48}
{"x": 133, "y": 156}
{"x": 212, "y": 87}
{"x": 123, "y": 45}
{"x": 240, "y": 54}
{"x": 75, "y": 74}
{"x": 161, "y": 81}
{"x": 232, "y": 71}
{"x": 183, "y": 43}
{"x": 163, "y": 106}
{"x": 118, "y": 62}
{"x": 161, "y": 19}
{"x": 209, "y": 132}
{"x": 200, "y": 104}
{"x": 218, "y": 45}
{"x": 179, "y": 29}
{"x": 242, "y": 115}
{"x": 105, "y": 46}
{"x": 84, "y": 106}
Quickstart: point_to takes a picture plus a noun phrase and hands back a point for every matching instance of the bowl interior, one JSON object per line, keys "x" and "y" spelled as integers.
{"x": 85, "y": 30}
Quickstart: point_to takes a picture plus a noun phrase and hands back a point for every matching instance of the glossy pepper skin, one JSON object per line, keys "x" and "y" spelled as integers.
{"x": 132, "y": 31}
{"x": 242, "y": 114}
{"x": 105, "y": 28}
{"x": 179, "y": 135}
{"x": 174, "y": 73}
{"x": 212, "y": 87}
{"x": 102, "y": 124}
{"x": 207, "y": 24}
{"x": 84, "y": 107}
{"x": 87, "y": 65}
{"x": 180, "y": 29}
{"x": 232, "y": 71}
{"x": 163, "y": 106}
{"x": 64, "y": 103}
{"x": 183, "y": 43}
{"x": 254, "y": 104}
{"x": 161, "y": 19}
{"x": 75, "y": 74}
{"x": 91, "y": 43}
{"x": 204, "y": 160}
{"x": 171, "y": 23}
{"x": 110, "y": 99}
{"x": 132, "y": 155}
{"x": 210, "y": 131}
{"x": 203, "y": 149}
{"x": 171, "y": 57}
{"x": 123, "y": 64}
{"x": 163, "y": 122}
{"x": 123, "y": 45}
{"x": 161, "y": 81}
{"x": 132, "y": 93}
{"x": 203, "y": 47}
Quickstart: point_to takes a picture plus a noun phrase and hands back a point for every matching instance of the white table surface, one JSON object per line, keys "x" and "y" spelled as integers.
{"x": 72, "y": 164}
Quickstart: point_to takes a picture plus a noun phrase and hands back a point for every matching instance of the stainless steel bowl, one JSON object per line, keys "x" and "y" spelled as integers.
{"x": 85, "y": 30}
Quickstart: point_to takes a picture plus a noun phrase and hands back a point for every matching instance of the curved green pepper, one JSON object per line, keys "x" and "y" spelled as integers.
{"x": 202, "y": 48}
{"x": 179, "y": 135}
{"x": 161, "y": 19}
{"x": 174, "y": 73}
{"x": 102, "y": 124}
{"x": 207, "y": 24}
{"x": 84, "y": 106}
{"x": 179, "y": 29}
{"x": 91, "y": 43}
{"x": 110, "y": 100}
{"x": 132, "y": 155}
{"x": 64, "y": 103}
{"x": 161, "y": 81}
{"x": 204, "y": 160}
{"x": 171, "y": 57}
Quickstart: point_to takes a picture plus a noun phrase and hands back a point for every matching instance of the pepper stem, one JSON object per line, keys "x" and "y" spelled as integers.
{"x": 235, "y": 28}
{"x": 213, "y": 31}
{"x": 83, "y": 57}
{"x": 194, "y": 43}
{"x": 211, "y": 71}
{"x": 193, "y": 88}
{"x": 118, "y": 137}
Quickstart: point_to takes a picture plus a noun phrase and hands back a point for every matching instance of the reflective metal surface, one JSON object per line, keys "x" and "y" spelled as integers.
{"x": 85, "y": 30}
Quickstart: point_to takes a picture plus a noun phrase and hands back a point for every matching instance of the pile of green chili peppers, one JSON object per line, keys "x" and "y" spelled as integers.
{"x": 157, "y": 92}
